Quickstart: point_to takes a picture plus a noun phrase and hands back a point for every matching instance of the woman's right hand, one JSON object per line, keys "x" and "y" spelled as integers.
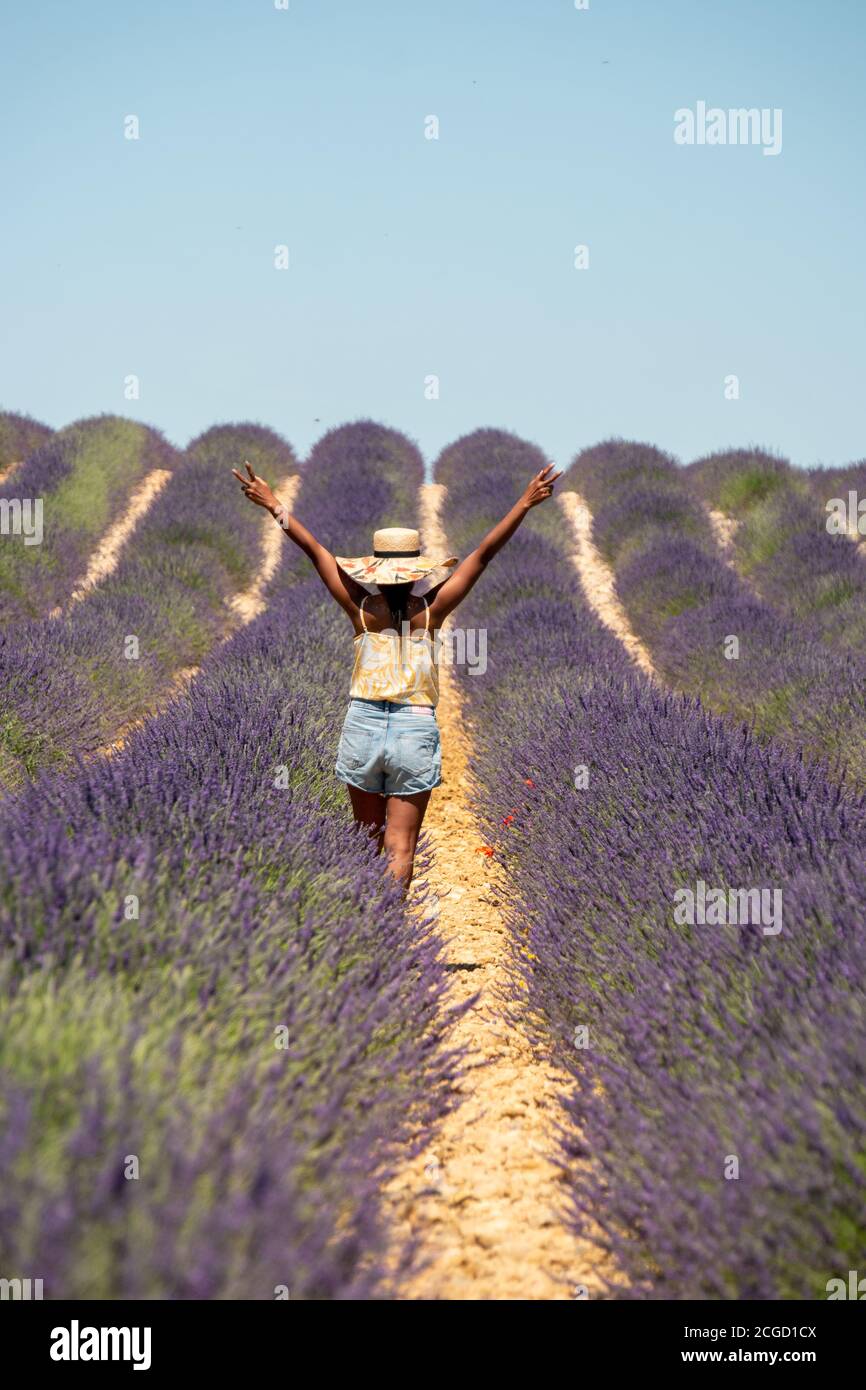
{"x": 256, "y": 489}
{"x": 541, "y": 487}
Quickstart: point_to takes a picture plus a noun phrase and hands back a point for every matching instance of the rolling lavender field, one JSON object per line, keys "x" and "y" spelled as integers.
{"x": 224, "y": 1034}
{"x": 687, "y": 1043}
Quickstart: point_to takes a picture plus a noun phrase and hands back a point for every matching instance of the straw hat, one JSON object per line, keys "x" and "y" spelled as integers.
{"x": 396, "y": 559}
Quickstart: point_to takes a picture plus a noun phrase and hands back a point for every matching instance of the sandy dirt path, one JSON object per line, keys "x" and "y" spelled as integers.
{"x": 485, "y": 1198}
{"x": 105, "y": 557}
{"x": 724, "y": 529}
{"x": 598, "y": 583}
{"x": 244, "y": 606}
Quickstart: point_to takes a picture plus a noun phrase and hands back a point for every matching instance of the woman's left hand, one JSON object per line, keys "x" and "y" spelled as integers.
{"x": 256, "y": 489}
{"x": 541, "y": 487}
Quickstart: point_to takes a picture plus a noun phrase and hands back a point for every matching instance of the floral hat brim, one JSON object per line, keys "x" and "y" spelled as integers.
{"x": 375, "y": 569}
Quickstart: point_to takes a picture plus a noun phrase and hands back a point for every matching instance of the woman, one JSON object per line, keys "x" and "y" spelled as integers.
{"x": 389, "y": 755}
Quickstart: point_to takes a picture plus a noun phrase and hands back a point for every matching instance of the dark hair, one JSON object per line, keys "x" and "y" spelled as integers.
{"x": 397, "y": 598}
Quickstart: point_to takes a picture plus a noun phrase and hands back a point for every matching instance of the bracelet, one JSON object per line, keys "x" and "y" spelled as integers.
{"x": 281, "y": 514}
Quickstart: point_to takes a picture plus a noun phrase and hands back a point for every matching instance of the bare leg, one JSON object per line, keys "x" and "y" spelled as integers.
{"x": 368, "y": 808}
{"x": 405, "y": 815}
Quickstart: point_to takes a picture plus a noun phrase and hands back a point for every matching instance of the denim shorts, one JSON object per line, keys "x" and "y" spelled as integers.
{"x": 389, "y": 748}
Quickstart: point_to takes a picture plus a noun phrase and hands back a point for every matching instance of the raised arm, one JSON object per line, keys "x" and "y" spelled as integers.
{"x": 457, "y": 585}
{"x": 339, "y": 585}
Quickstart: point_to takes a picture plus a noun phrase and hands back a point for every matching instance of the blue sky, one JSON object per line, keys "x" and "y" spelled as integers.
{"x": 452, "y": 257}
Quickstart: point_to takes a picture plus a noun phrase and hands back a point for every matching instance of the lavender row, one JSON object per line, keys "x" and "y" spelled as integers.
{"x": 20, "y": 435}
{"x": 714, "y": 1143}
{"x": 382, "y": 462}
{"x": 69, "y": 684}
{"x": 791, "y": 539}
{"x": 58, "y": 504}
{"x": 708, "y": 632}
{"x": 244, "y": 1022}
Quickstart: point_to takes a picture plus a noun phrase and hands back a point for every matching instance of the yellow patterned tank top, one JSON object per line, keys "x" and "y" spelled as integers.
{"x": 391, "y": 667}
